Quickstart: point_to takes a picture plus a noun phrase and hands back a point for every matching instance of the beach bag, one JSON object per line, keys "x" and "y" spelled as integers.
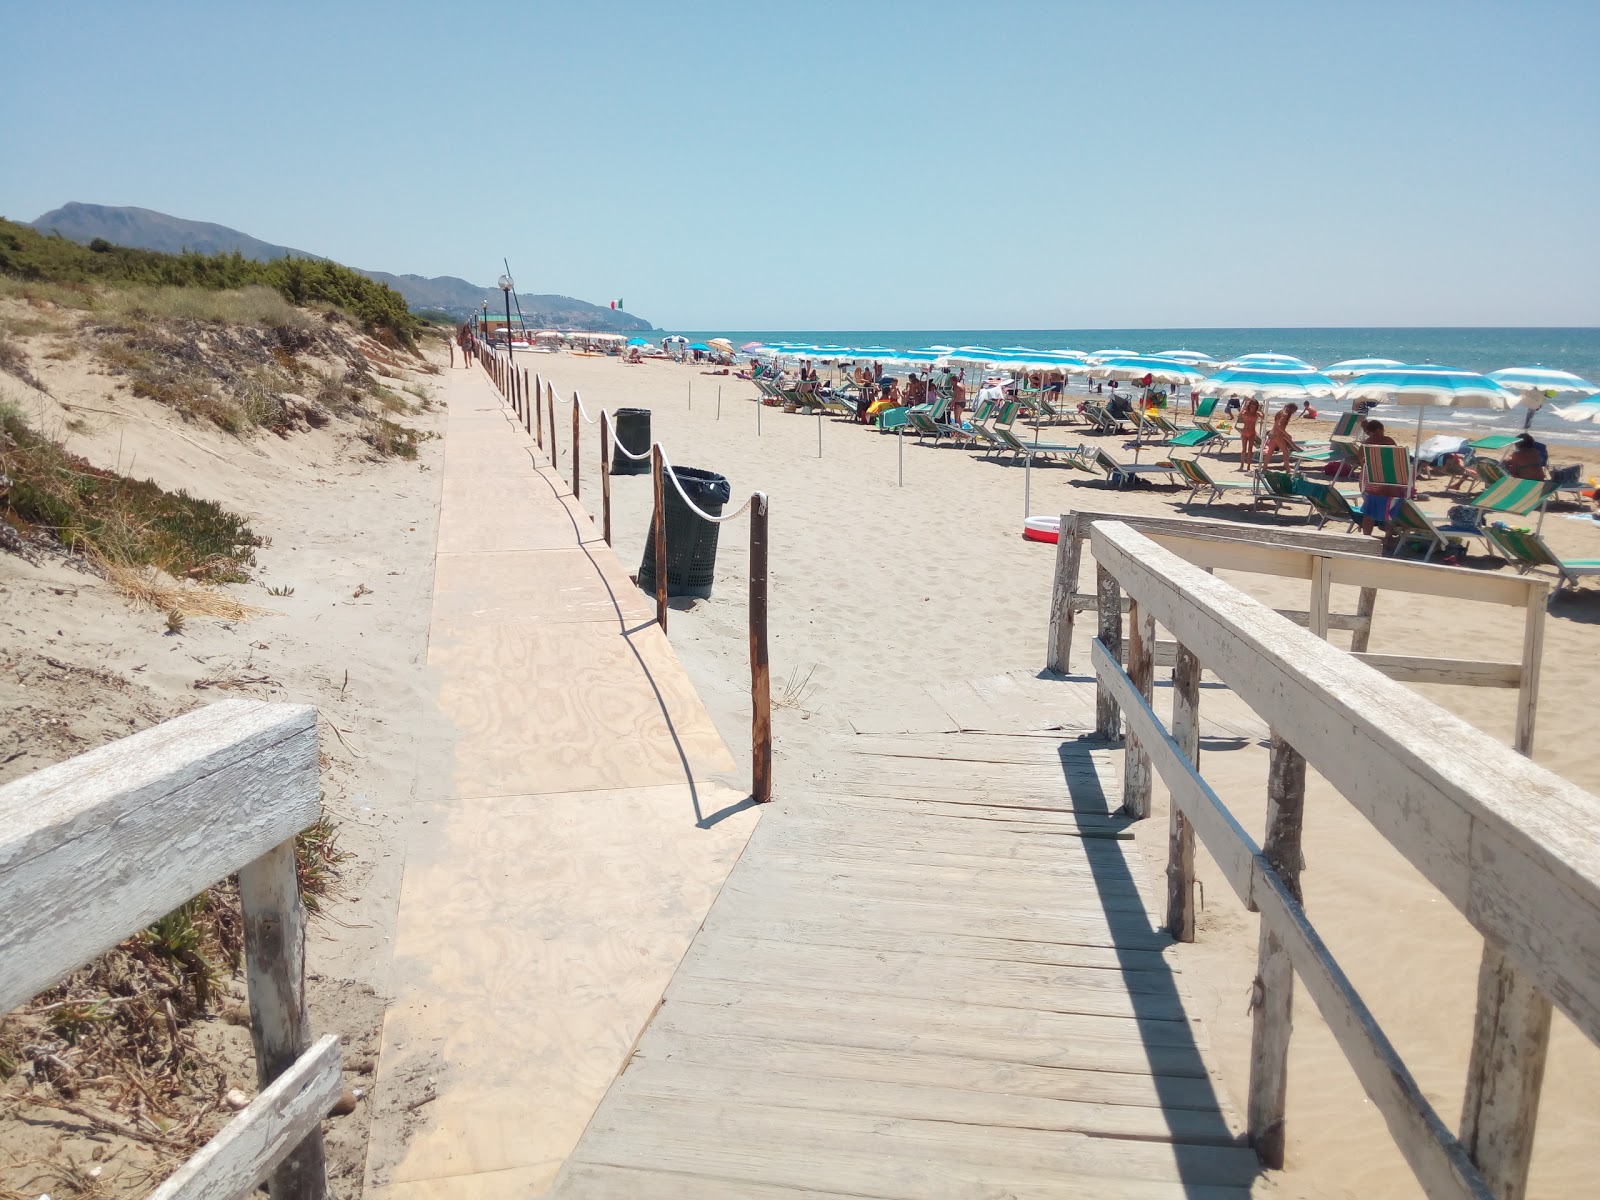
{"x": 1567, "y": 476}
{"x": 1464, "y": 516}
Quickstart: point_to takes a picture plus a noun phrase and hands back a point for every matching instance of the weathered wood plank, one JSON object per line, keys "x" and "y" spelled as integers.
{"x": 1514, "y": 847}
{"x": 95, "y": 848}
{"x": 1180, "y": 833}
{"x": 1466, "y": 672}
{"x": 248, "y": 1147}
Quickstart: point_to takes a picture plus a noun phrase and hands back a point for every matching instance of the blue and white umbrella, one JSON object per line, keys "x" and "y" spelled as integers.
{"x": 1357, "y": 366}
{"x": 1584, "y": 410}
{"x": 1269, "y": 383}
{"x": 1102, "y": 355}
{"x": 1543, "y": 382}
{"x": 1162, "y": 370}
{"x": 1428, "y": 385}
{"x": 1270, "y": 360}
{"x": 1193, "y": 357}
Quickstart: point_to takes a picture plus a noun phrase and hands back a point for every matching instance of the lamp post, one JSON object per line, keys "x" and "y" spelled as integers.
{"x": 483, "y": 324}
{"x": 506, "y": 285}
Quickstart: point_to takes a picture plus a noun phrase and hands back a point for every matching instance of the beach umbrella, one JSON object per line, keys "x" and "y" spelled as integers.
{"x": 1160, "y": 370}
{"x": 1270, "y": 360}
{"x": 1193, "y": 357}
{"x": 1102, "y": 355}
{"x": 1269, "y": 383}
{"x": 1356, "y": 366}
{"x": 1584, "y": 410}
{"x": 1428, "y": 385}
{"x": 722, "y": 344}
{"x": 1537, "y": 384}
{"x": 700, "y": 346}
{"x": 638, "y": 341}
{"x": 751, "y": 348}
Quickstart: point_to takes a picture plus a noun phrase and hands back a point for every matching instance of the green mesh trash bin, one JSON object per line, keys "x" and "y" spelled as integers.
{"x": 630, "y": 428}
{"x": 691, "y": 541}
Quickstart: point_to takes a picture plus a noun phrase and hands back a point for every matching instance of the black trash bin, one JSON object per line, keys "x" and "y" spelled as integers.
{"x": 630, "y": 427}
{"x": 691, "y": 541}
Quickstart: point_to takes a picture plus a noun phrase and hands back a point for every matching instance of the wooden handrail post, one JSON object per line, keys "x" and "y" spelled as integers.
{"x": 550, "y": 396}
{"x": 1366, "y": 605}
{"x": 1136, "y": 780}
{"x": 527, "y": 417}
{"x": 660, "y": 533}
{"x": 1107, "y": 716}
{"x": 1180, "y": 834}
{"x": 605, "y": 474}
{"x": 1532, "y": 655}
{"x": 1510, "y": 1037}
{"x": 760, "y": 672}
{"x": 275, "y": 964}
{"x": 577, "y": 458}
{"x": 538, "y": 409}
{"x": 1069, "y": 554}
{"x": 1272, "y": 1000}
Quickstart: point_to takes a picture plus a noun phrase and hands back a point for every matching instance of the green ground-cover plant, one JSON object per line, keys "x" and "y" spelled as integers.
{"x": 116, "y": 519}
{"x": 64, "y": 272}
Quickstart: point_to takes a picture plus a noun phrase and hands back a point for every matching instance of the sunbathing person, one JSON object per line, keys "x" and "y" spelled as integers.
{"x": 1280, "y": 440}
{"x": 1525, "y": 458}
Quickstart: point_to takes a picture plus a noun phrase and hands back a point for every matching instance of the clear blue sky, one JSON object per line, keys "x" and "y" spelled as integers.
{"x": 858, "y": 165}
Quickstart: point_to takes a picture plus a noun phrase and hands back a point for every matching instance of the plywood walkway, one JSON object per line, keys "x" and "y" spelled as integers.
{"x": 576, "y": 820}
{"x": 932, "y": 974}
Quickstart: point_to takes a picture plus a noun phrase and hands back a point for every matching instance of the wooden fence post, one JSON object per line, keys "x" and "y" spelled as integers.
{"x": 275, "y": 964}
{"x": 660, "y": 528}
{"x": 1180, "y": 834}
{"x": 550, "y": 395}
{"x": 1532, "y": 654}
{"x": 760, "y": 673}
{"x": 1136, "y": 775}
{"x": 538, "y": 409}
{"x": 1107, "y": 716}
{"x": 577, "y": 458}
{"x": 1272, "y": 1001}
{"x": 1366, "y": 605}
{"x": 1069, "y": 554}
{"x": 527, "y": 417}
{"x": 605, "y": 474}
{"x": 1510, "y": 1036}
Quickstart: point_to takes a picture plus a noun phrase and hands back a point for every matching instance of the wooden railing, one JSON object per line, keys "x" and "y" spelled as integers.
{"x": 1323, "y": 559}
{"x": 94, "y": 849}
{"x": 1514, "y": 847}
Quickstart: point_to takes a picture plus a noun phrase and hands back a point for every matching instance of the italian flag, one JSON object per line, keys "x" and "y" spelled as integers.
{"x": 617, "y": 304}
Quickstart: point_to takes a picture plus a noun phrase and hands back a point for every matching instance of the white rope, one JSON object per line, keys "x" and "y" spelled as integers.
{"x": 617, "y": 442}
{"x": 578, "y": 400}
{"x": 666, "y": 469}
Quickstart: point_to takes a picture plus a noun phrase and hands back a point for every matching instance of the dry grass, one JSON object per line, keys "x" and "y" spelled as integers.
{"x": 150, "y": 588}
{"x": 261, "y": 306}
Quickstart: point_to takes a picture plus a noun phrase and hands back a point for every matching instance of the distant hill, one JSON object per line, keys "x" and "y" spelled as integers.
{"x": 145, "y": 229}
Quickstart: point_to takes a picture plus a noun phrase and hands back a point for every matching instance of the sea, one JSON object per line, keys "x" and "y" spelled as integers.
{"x": 1564, "y": 349}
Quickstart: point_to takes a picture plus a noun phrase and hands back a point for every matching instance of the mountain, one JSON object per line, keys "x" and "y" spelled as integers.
{"x": 146, "y": 229}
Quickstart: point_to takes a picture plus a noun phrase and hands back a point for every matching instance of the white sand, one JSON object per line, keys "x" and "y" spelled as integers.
{"x": 878, "y": 590}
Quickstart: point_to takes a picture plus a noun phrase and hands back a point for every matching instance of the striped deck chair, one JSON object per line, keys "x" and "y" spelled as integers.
{"x": 1200, "y": 480}
{"x": 1100, "y": 417}
{"x": 1485, "y": 473}
{"x": 1389, "y": 465}
{"x": 1279, "y": 488}
{"x": 1122, "y": 474}
{"x": 1529, "y": 552}
{"x": 1328, "y": 503}
{"x": 1156, "y": 427}
{"x": 1205, "y": 420}
{"x": 1003, "y": 431}
{"x": 1411, "y": 524}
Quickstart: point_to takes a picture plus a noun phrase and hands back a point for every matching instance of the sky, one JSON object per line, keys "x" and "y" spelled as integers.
{"x": 862, "y": 165}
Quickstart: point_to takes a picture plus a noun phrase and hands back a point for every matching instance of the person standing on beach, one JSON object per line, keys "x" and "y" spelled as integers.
{"x": 1379, "y": 501}
{"x": 1249, "y": 433}
{"x": 958, "y": 401}
{"x": 1280, "y": 440}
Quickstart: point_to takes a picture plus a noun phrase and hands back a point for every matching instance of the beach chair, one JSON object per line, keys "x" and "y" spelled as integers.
{"x": 1328, "y": 503}
{"x": 1492, "y": 443}
{"x": 1153, "y": 426}
{"x": 1389, "y": 465}
{"x": 1003, "y": 432}
{"x": 1529, "y": 552}
{"x": 1122, "y": 474}
{"x": 1100, "y": 418}
{"x": 1279, "y": 488}
{"x": 1411, "y": 524}
{"x": 1205, "y": 420}
{"x": 1484, "y": 473}
{"x": 1200, "y": 480}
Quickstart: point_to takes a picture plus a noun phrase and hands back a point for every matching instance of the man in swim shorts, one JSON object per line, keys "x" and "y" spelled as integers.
{"x": 1379, "y": 501}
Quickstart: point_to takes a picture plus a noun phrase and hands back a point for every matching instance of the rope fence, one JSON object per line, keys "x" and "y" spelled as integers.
{"x": 535, "y": 399}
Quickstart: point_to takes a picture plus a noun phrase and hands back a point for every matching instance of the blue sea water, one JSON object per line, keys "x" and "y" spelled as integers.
{"x": 1570, "y": 349}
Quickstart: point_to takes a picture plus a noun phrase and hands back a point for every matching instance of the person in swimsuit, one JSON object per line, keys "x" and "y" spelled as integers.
{"x": 1525, "y": 459}
{"x": 1279, "y": 440}
{"x": 1379, "y": 501}
{"x": 1249, "y": 433}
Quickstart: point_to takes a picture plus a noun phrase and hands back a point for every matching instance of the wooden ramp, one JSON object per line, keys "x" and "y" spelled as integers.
{"x": 930, "y": 975}
{"x": 575, "y": 818}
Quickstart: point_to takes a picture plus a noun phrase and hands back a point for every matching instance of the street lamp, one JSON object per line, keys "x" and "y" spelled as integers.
{"x": 506, "y": 285}
{"x": 483, "y": 323}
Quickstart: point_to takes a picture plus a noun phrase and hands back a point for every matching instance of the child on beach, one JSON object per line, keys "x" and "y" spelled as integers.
{"x": 1249, "y": 433}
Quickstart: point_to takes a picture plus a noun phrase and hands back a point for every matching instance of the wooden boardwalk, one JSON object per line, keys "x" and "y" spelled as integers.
{"x": 931, "y": 974}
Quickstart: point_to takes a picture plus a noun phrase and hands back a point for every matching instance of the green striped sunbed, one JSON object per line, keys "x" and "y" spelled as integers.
{"x": 1328, "y": 503}
{"x": 1387, "y": 465}
{"x": 1529, "y": 552}
{"x": 1280, "y": 488}
{"x": 1123, "y": 474}
{"x": 1200, "y": 480}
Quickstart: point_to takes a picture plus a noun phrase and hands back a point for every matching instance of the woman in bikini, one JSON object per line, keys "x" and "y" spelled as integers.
{"x": 1279, "y": 440}
{"x": 1249, "y": 432}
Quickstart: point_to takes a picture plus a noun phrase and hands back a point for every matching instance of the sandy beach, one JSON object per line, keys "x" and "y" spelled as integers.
{"x": 880, "y": 591}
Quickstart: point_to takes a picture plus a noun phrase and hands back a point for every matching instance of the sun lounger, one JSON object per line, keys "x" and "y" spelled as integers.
{"x": 1100, "y": 417}
{"x": 1530, "y": 552}
{"x": 1492, "y": 443}
{"x": 1200, "y": 480}
{"x": 1279, "y": 488}
{"x": 1328, "y": 503}
{"x": 1122, "y": 474}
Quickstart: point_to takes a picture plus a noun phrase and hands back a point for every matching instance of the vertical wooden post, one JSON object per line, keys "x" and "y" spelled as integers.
{"x": 577, "y": 458}
{"x": 1321, "y": 589}
{"x": 1069, "y": 554}
{"x": 275, "y": 964}
{"x": 660, "y": 528}
{"x": 550, "y": 395}
{"x": 605, "y": 474}
{"x": 527, "y": 416}
{"x": 1136, "y": 774}
{"x": 1366, "y": 605}
{"x": 1107, "y": 716}
{"x": 538, "y": 409}
{"x": 1510, "y": 1036}
{"x": 760, "y": 674}
{"x": 1180, "y": 834}
{"x": 1532, "y": 654}
{"x": 1273, "y": 998}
